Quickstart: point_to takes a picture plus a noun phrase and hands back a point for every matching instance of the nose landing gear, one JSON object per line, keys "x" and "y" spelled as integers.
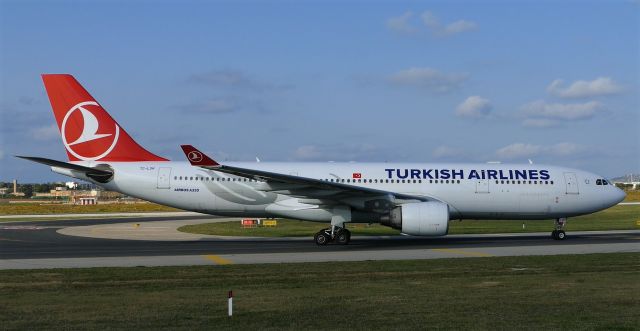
{"x": 558, "y": 233}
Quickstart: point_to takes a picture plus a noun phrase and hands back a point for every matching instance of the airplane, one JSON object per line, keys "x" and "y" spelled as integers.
{"x": 419, "y": 199}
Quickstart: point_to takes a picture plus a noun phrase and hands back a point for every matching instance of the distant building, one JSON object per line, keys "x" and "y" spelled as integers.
{"x": 85, "y": 200}
{"x": 82, "y": 197}
{"x": 15, "y": 192}
{"x": 632, "y": 185}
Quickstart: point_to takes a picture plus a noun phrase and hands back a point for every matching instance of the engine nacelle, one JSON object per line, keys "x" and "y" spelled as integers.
{"x": 420, "y": 219}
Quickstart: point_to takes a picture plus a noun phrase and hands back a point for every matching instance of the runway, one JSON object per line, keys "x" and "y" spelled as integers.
{"x": 27, "y": 245}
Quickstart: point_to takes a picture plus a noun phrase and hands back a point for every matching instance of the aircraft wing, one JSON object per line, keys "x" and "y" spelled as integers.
{"x": 297, "y": 186}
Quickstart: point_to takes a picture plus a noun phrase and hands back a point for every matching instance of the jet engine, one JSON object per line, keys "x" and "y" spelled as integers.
{"x": 420, "y": 219}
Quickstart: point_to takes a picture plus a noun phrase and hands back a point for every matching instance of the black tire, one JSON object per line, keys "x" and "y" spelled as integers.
{"x": 554, "y": 234}
{"x": 321, "y": 238}
{"x": 343, "y": 237}
{"x": 560, "y": 235}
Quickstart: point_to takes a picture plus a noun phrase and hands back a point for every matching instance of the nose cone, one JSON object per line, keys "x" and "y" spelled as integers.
{"x": 619, "y": 195}
{"x": 614, "y": 196}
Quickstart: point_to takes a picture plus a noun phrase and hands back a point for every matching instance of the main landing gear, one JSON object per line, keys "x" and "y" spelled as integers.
{"x": 558, "y": 233}
{"x": 336, "y": 234}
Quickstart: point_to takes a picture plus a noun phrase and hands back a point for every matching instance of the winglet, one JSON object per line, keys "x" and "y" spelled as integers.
{"x": 197, "y": 158}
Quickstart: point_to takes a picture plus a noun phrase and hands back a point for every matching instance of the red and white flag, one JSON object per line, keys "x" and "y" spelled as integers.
{"x": 357, "y": 175}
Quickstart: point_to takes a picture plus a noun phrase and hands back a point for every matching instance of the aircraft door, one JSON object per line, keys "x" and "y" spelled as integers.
{"x": 571, "y": 182}
{"x": 164, "y": 178}
{"x": 482, "y": 186}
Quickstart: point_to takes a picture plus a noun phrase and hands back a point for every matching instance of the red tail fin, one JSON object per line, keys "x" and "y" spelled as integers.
{"x": 88, "y": 131}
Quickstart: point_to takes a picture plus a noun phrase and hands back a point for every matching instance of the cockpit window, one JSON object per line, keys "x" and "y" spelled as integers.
{"x": 602, "y": 181}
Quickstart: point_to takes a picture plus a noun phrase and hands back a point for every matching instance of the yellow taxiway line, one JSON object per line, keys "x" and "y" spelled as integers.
{"x": 217, "y": 259}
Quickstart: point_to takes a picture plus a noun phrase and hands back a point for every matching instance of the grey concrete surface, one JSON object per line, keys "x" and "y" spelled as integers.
{"x": 108, "y": 243}
{"x": 371, "y": 255}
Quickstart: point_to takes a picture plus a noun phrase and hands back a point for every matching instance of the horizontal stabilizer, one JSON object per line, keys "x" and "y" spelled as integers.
{"x": 100, "y": 175}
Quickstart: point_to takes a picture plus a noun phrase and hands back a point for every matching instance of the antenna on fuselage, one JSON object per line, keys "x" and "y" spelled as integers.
{"x": 530, "y": 162}
{"x": 257, "y": 159}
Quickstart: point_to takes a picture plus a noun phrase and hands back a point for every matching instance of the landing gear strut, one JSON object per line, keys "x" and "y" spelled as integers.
{"x": 558, "y": 233}
{"x": 337, "y": 234}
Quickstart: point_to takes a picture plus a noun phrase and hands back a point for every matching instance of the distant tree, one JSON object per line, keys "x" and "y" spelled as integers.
{"x": 27, "y": 189}
{"x": 38, "y": 188}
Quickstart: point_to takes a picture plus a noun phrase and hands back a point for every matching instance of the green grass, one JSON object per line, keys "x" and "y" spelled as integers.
{"x": 285, "y": 228}
{"x": 632, "y": 196}
{"x": 44, "y": 208}
{"x": 600, "y": 291}
{"x": 615, "y": 218}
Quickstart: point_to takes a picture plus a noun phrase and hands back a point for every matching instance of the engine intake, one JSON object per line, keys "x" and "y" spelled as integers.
{"x": 419, "y": 219}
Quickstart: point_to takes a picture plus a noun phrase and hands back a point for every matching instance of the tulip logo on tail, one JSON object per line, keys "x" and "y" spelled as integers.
{"x": 82, "y": 135}
{"x": 195, "y": 156}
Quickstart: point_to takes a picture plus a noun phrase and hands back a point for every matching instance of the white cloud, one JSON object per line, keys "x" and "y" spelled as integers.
{"x": 430, "y": 20}
{"x": 445, "y": 30}
{"x": 584, "y": 89}
{"x": 429, "y": 79}
{"x": 518, "y": 150}
{"x": 566, "y": 149}
{"x": 522, "y": 150}
{"x": 562, "y": 111}
{"x": 401, "y": 23}
{"x": 45, "y": 133}
{"x": 349, "y": 152}
{"x": 444, "y": 152}
{"x": 474, "y": 106}
{"x": 459, "y": 27}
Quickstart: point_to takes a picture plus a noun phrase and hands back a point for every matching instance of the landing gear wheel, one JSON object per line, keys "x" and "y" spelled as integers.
{"x": 343, "y": 237}
{"x": 321, "y": 238}
{"x": 558, "y": 233}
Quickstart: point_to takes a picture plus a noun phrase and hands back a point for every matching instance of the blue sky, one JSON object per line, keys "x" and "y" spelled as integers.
{"x": 463, "y": 81}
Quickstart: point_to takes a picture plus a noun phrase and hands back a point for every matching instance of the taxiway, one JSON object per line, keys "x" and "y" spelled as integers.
{"x": 110, "y": 243}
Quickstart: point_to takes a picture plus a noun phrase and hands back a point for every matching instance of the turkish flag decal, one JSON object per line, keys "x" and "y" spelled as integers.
{"x": 357, "y": 175}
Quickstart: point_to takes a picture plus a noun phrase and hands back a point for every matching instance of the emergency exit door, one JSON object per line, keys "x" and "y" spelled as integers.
{"x": 164, "y": 178}
{"x": 482, "y": 186}
{"x": 571, "y": 182}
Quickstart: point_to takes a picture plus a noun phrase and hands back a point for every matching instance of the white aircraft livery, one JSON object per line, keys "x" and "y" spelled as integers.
{"x": 417, "y": 199}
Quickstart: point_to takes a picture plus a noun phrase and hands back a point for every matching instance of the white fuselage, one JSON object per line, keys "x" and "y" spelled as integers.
{"x": 472, "y": 191}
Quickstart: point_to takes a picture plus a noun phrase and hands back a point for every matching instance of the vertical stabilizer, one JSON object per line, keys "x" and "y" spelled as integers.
{"x": 88, "y": 132}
